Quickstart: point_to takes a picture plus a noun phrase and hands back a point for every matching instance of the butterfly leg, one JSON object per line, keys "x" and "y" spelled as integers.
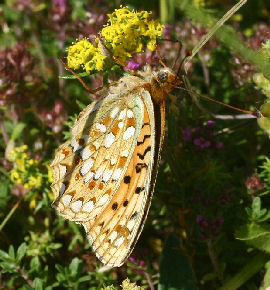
{"x": 83, "y": 83}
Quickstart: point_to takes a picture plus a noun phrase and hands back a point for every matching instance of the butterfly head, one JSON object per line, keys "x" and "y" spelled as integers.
{"x": 163, "y": 82}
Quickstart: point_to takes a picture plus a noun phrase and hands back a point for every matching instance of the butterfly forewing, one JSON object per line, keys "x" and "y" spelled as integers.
{"x": 114, "y": 232}
{"x": 89, "y": 169}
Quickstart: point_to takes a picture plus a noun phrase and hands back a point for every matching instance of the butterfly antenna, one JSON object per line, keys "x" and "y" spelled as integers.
{"x": 117, "y": 60}
{"x": 256, "y": 114}
{"x": 159, "y": 57}
{"x": 180, "y": 69}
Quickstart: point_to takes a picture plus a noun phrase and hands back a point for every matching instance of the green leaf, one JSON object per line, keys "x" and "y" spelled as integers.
{"x": 255, "y": 235}
{"x": 38, "y": 284}
{"x": 17, "y": 131}
{"x": 253, "y": 266}
{"x": 7, "y": 267}
{"x": 74, "y": 266}
{"x": 21, "y": 252}
{"x": 4, "y": 255}
{"x": 35, "y": 264}
{"x": 176, "y": 272}
{"x": 11, "y": 252}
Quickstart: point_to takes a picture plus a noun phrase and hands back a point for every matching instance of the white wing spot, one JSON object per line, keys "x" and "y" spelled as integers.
{"x": 103, "y": 200}
{"x": 87, "y": 166}
{"x": 122, "y": 115}
{"x": 88, "y": 206}
{"x": 113, "y": 236}
{"x": 62, "y": 188}
{"x": 120, "y": 125}
{"x": 63, "y": 170}
{"x": 76, "y": 206}
{"x": 109, "y": 139}
{"x": 67, "y": 199}
{"x": 124, "y": 153}
{"x": 117, "y": 174}
{"x": 76, "y": 146}
{"x": 89, "y": 176}
{"x": 114, "y": 112}
{"x": 101, "y": 127}
{"x": 131, "y": 224}
{"x": 99, "y": 173}
{"x": 86, "y": 153}
{"x": 130, "y": 114}
{"x": 96, "y": 144}
{"x": 107, "y": 175}
{"x": 119, "y": 241}
{"x": 129, "y": 132}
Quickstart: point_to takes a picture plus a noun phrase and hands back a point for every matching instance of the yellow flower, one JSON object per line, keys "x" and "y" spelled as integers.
{"x": 50, "y": 174}
{"x": 127, "y": 32}
{"x": 84, "y": 54}
{"x": 33, "y": 201}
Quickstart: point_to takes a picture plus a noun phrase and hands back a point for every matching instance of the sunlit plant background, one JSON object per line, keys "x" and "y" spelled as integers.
{"x": 208, "y": 226}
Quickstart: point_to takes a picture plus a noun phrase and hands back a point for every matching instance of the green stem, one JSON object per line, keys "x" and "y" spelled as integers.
{"x": 253, "y": 267}
{"x": 10, "y": 213}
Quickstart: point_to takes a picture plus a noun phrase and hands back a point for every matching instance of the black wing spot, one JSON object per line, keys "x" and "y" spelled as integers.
{"x": 127, "y": 179}
{"x": 141, "y": 156}
{"x": 139, "y": 167}
{"x": 125, "y": 203}
{"x": 115, "y": 206}
{"x": 144, "y": 138}
{"x": 133, "y": 216}
{"x": 139, "y": 189}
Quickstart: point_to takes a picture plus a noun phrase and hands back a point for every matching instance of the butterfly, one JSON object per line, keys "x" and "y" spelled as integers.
{"x": 105, "y": 176}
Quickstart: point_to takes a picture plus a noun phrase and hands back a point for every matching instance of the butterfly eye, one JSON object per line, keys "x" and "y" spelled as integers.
{"x": 162, "y": 76}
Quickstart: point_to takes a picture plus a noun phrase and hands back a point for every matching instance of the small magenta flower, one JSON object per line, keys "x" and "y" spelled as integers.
{"x": 219, "y": 144}
{"x": 254, "y": 183}
{"x": 132, "y": 65}
{"x": 166, "y": 29}
{"x": 210, "y": 123}
{"x": 132, "y": 259}
{"x": 187, "y": 134}
{"x": 199, "y": 218}
{"x": 142, "y": 263}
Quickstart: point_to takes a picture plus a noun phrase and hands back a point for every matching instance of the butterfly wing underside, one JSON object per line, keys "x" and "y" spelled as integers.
{"x": 105, "y": 176}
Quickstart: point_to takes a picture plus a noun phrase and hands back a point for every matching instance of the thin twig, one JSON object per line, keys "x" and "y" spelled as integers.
{"x": 24, "y": 275}
{"x": 149, "y": 280}
{"x": 3, "y": 130}
{"x": 214, "y": 261}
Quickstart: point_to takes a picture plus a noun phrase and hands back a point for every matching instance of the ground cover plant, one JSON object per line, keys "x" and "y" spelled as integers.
{"x": 208, "y": 226}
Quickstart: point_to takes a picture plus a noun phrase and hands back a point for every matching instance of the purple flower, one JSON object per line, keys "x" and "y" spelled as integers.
{"x": 187, "y": 134}
{"x": 142, "y": 263}
{"x": 166, "y": 29}
{"x": 201, "y": 142}
{"x": 61, "y": 3}
{"x": 132, "y": 65}
{"x": 210, "y": 123}
{"x": 219, "y": 144}
{"x": 132, "y": 259}
{"x": 199, "y": 218}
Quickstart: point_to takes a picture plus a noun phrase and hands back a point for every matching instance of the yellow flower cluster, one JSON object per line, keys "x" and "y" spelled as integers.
{"x": 25, "y": 169}
{"x": 84, "y": 54}
{"x": 126, "y": 33}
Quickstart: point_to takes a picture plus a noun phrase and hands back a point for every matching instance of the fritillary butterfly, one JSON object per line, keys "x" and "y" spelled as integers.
{"x": 105, "y": 176}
